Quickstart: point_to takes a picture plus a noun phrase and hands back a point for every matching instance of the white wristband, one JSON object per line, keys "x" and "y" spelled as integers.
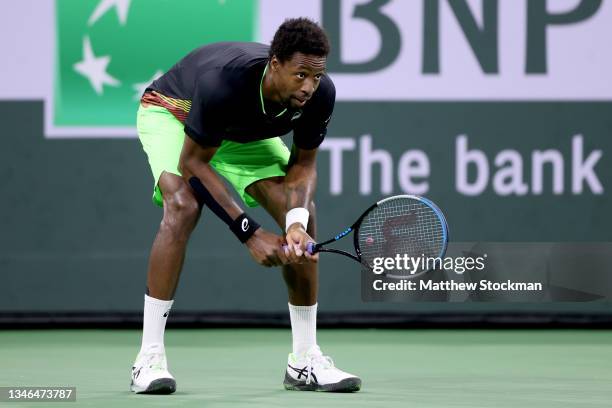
{"x": 297, "y": 214}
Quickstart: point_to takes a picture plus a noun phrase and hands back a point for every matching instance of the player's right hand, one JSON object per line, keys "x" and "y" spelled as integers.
{"x": 297, "y": 242}
{"x": 267, "y": 248}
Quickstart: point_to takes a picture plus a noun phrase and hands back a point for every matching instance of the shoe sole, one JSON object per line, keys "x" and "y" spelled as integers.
{"x": 159, "y": 386}
{"x": 351, "y": 384}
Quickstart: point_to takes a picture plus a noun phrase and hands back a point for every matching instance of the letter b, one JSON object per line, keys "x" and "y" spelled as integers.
{"x": 463, "y": 158}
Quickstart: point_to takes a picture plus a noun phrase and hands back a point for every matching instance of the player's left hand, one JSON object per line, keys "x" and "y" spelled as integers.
{"x": 297, "y": 240}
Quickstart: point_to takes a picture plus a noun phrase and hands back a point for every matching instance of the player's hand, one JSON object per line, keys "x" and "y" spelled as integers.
{"x": 297, "y": 245}
{"x": 266, "y": 248}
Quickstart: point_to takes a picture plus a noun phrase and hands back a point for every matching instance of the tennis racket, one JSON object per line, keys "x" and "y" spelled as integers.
{"x": 402, "y": 225}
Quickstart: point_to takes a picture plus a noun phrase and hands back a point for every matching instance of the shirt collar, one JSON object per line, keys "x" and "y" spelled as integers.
{"x": 263, "y": 109}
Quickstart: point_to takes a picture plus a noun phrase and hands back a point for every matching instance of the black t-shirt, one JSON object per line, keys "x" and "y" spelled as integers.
{"x": 223, "y": 80}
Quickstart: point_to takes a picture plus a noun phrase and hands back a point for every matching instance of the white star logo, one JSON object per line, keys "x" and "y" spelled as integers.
{"x": 121, "y": 6}
{"x": 141, "y": 86}
{"x": 94, "y": 68}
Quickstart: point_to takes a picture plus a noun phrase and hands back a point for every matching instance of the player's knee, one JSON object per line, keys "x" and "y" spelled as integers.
{"x": 181, "y": 207}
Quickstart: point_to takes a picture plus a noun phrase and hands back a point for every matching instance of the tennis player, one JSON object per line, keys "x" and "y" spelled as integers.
{"x": 233, "y": 101}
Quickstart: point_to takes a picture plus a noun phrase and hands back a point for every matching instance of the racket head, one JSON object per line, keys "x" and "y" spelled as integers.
{"x": 405, "y": 226}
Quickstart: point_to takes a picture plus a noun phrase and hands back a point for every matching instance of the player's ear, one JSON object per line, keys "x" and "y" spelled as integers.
{"x": 274, "y": 63}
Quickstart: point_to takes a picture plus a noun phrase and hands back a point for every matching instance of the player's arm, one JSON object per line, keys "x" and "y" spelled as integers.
{"x": 300, "y": 185}
{"x": 301, "y": 179}
{"x": 209, "y": 189}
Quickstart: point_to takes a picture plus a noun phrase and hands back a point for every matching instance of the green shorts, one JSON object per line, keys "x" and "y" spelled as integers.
{"x": 241, "y": 164}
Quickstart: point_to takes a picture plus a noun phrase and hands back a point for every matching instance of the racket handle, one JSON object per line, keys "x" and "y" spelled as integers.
{"x": 310, "y": 247}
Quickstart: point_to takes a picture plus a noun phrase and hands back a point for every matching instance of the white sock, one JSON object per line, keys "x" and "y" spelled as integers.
{"x": 154, "y": 321}
{"x": 303, "y": 327}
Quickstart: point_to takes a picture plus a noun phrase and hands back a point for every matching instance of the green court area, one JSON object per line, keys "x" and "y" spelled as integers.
{"x": 399, "y": 368}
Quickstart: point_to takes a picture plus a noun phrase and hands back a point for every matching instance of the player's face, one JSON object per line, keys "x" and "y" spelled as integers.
{"x": 298, "y": 78}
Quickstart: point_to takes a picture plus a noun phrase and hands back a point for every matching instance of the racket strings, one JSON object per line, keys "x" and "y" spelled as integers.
{"x": 402, "y": 226}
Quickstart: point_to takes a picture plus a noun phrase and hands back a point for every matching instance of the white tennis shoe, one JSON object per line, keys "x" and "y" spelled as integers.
{"x": 150, "y": 372}
{"x": 315, "y": 372}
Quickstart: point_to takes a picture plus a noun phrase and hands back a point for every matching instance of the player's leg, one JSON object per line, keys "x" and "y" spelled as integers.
{"x": 301, "y": 279}
{"x": 256, "y": 170}
{"x": 162, "y": 139}
{"x": 181, "y": 213}
{"x": 307, "y": 368}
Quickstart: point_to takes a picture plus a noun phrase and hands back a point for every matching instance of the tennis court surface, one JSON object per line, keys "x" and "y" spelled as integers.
{"x": 399, "y": 368}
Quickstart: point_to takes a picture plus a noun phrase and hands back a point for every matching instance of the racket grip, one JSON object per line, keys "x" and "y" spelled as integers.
{"x": 310, "y": 248}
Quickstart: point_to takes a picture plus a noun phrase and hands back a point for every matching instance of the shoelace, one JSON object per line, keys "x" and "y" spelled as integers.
{"x": 155, "y": 361}
{"x": 316, "y": 357}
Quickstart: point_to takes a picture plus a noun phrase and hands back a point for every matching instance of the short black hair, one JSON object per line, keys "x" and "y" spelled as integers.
{"x": 299, "y": 35}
